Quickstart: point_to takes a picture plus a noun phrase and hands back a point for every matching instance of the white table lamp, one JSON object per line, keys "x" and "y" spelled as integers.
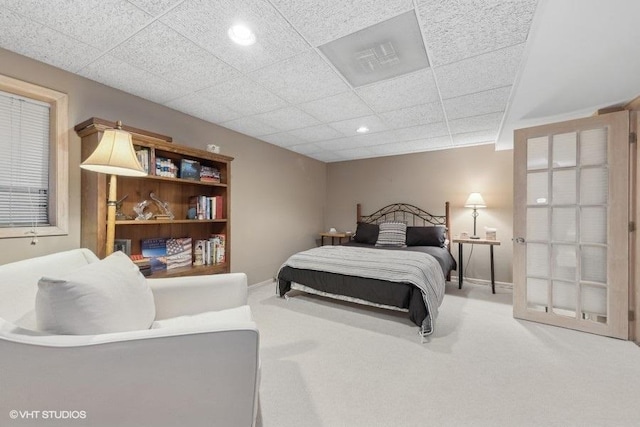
{"x": 475, "y": 201}
{"x": 114, "y": 155}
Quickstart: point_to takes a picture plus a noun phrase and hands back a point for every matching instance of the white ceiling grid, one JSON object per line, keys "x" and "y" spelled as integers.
{"x": 282, "y": 89}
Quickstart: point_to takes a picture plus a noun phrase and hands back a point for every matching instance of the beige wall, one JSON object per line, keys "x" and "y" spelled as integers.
{"x": 427, "y": 180}
{"x": 277, "y": 196}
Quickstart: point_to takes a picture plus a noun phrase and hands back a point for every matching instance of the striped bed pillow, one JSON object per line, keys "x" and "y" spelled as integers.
{"x": 392, "y": 234}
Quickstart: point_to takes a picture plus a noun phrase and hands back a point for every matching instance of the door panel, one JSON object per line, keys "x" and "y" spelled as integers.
{"x": 571, "y": 209}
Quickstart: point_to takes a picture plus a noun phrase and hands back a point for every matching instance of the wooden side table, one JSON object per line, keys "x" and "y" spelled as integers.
{"x": 491, "y": 244}
{"x": 333, "y": 236}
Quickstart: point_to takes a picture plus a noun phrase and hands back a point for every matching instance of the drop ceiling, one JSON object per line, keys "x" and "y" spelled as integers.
{"x": 492, "y": 65}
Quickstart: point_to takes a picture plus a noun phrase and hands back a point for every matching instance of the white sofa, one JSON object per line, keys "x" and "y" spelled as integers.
{"x": 199, "y": 370}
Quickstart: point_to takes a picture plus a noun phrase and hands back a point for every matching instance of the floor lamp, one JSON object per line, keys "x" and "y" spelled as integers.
{"x": 475, "y": 201}
{"x": 114, "y": 155}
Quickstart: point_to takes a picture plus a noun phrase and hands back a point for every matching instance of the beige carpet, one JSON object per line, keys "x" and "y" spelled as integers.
{"x": 328, "y": 363}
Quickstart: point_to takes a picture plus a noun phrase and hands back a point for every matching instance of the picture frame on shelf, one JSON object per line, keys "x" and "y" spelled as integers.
{"x": 190, "y": 169}
{"x": 123, "y": 245}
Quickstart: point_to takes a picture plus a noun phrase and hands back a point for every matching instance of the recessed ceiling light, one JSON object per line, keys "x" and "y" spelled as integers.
{"x": 242, "y": 35}
{"x": 362, "y": 129}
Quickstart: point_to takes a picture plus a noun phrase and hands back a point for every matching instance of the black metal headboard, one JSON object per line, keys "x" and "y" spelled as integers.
{"x": 410, "y": 214}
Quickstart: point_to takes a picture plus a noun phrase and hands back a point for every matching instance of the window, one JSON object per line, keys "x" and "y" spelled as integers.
{"x": 34, "y": 194}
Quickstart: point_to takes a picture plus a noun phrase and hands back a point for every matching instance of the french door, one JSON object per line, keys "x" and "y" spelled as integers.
{"x": 571, "y": 224}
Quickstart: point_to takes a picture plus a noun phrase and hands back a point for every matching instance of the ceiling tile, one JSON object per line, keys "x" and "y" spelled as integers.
{"x": 100, "y": 23}
{"x": 462, "y": 29}
{"x": 348, "y": 127}
{"x": 155, "y": 7}
{"x": 415, "y": 146}
{"x": 249, "y": 126}
{"x": 305, "y": 149}
{"x": 398, "y": 148}
{"x": 283, "y": 139}
{"x": 404, "y": 91}
{"x": 438, "y": 143}
{"x": 322, "y": 21}
{"x": 287, "y": 119}
{"x": 335, "y": 144}
{"x": 203, "y": 107}
{"x": 36, "y": 41}
{"x": 328, "y": 156}
{"x": 317, "y": 133}
{"x": 489, "y": 71}
{"x": 370, "y": 139}
{"x": 476, "y": 123}
{"x": 422, "y": 131}
{"x": 345, "y": 105}
{"x": 161, "y": 50}
{"x": 356, "y": 153}
{"x": 475, "y": 138}
{"x": 488, "y": 101}
{"x": 207, "y": 22}
{"x": 120, "y": 75}
{"x": 246, "y": 96}
{"x": 305, "y": 77}
{"x": 413, "y": 116}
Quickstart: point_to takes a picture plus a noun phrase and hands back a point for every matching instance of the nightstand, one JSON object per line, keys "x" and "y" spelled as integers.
{"x": 334, "y": 236}
{"x": 491, "y": 244}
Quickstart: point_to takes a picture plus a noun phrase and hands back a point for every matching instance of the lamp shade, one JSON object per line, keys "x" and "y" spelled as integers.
{"x": 475, "y": 200}
{"x": 114, "y": 155}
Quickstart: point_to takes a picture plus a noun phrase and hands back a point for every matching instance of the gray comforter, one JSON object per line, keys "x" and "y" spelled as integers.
{"x": 418, "y": 269}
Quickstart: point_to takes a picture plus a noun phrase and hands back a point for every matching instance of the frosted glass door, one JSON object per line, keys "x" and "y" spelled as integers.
{"x": 570, "y": 219}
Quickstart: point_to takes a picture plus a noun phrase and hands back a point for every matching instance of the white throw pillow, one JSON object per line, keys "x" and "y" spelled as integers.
{"x": 392, "y": 234}
{"x": 106, "y": 296}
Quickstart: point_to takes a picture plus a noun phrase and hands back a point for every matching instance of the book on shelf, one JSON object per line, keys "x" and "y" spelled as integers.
{"x": 143, "y": 264}
{"x": 166, "y": 167}
{"x": 218, "y": 243}
{"x": 209, "y": 174}
{"x": 190, "y": 169}
{"x": 207, "y": 207}
{"x": 156, "y": 251}
{"x": 211, "y": 251}
{"x": 144, "y": 157}
{"x": 179, "y": 253}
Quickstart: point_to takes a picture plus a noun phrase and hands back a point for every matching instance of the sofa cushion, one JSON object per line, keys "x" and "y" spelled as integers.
{"x": 231, "y": 315}
{"x": 107, "y": 296}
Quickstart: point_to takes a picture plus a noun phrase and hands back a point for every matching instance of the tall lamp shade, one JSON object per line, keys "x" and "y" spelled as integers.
{"x": 114, "y": 155}
{"x": 475, "y": 201}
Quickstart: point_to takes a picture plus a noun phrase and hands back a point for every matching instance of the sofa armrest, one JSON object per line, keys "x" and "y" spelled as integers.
{"x": 151, "y": 377}
{"x": 180, "y": 296}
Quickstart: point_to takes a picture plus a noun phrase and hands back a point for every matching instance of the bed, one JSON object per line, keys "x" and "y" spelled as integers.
{"x": 404, "y": 272}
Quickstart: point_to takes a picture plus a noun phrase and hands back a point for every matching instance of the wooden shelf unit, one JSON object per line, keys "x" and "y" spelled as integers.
{"x": 175, "y": 191}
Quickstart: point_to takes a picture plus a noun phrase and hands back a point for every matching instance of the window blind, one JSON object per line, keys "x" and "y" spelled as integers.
{"x": 24, "y": 147}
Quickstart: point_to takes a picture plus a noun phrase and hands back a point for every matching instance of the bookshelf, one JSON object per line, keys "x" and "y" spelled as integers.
{"x": 175, "y": 191}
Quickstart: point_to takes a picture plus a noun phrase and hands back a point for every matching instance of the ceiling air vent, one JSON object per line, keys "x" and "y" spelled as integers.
{"x": 380, "y": 52}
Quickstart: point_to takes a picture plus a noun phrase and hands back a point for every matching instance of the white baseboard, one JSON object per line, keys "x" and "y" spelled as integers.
{"x": 264, "y": 282}
{"x": 502, "y": 285}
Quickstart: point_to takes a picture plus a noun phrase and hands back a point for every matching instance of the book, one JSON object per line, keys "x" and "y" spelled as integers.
{"x": 144, "y": 157}
{"x": 165, "y": 167}
{"x": 156, "y": 251}
{"x": 209, "y": 174}
{"x": 190, "y": 169}
{"x": 179, "y": 252}
{"x": 219, "y": 211}
{"x": 218, "y": 248}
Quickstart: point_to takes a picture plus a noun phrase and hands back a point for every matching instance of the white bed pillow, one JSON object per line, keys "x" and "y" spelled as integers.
{"x": 102, "y": 297}
{"x": 392, "y": 234}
